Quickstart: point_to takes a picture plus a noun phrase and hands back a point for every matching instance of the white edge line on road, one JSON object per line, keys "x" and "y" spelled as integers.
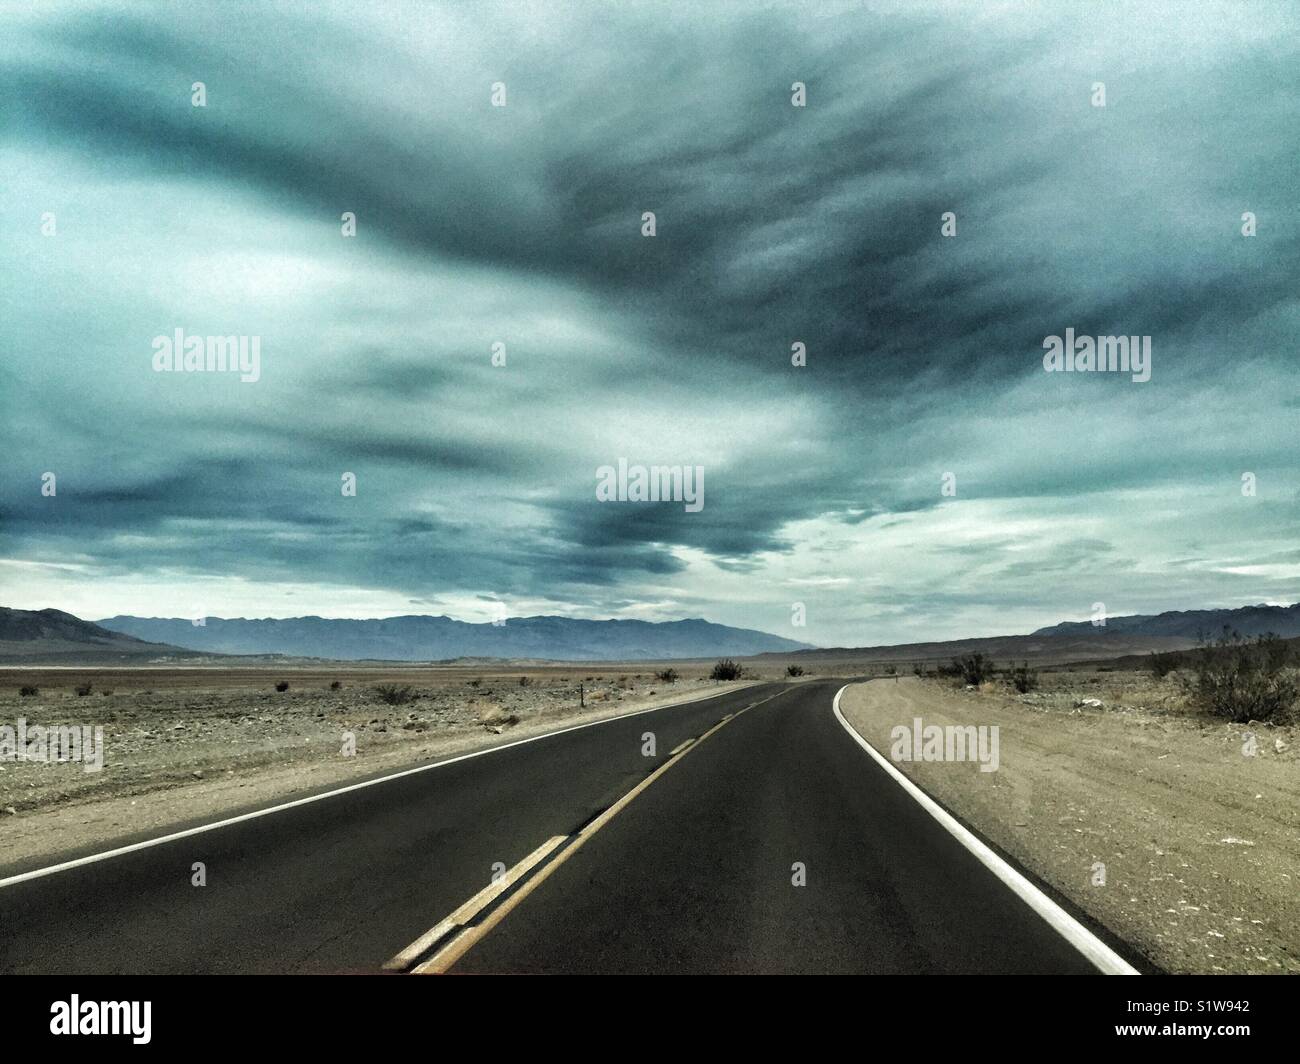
{"x": 1094, "y": 949}
{"x": 38, "y": 873}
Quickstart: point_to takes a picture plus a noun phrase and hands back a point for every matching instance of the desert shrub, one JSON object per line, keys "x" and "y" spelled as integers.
{"x": 794, "y": 670}
{"x": 726, "y": 669}
{"x": 28, "y": 691}
{"x": 1243, "y": 679}
{"x": 83, "y": 689}
{"x": 917, "y": 670}
{"x": 282, "y": 686}
{"x": 973, "y": 669}
{"x": 106, "y": 692}
{"x": 667, "y": 676}
{"x": 335, "y": 685}
{"x": 891, "y": 670}
{"x": 1023, "y": 678}
{"x": 392, "y": 694}
{"x": 1162, "y": 663}
{"x": 524, "y": 681}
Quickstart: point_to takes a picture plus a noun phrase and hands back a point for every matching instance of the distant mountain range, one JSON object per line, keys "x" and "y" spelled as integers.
{"x": 52, "y": 636}
{"x": 422, "y": 638}
{"x": 1041, "y": 649}
{"x": 1190, "y": 624}
{"x": 1130, "y": 637}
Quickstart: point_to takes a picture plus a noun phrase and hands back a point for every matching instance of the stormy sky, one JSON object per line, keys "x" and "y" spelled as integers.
{"x": 127, "y": 213}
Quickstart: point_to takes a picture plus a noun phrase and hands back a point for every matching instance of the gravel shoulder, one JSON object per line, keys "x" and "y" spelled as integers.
{"x": 1198, "y": 838}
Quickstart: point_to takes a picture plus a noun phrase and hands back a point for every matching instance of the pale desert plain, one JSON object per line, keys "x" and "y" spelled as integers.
{"x": 1140, "y": 812}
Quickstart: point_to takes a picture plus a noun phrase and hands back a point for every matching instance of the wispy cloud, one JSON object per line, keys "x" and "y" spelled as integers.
{"x": 776, "y": 224}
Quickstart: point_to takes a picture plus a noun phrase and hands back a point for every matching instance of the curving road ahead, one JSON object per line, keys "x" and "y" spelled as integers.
{"x": 606, "y": 861}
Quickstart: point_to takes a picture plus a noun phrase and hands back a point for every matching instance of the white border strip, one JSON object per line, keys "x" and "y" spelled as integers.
{"x": 1094, "y": 949}
{"x": 38, "y": 873}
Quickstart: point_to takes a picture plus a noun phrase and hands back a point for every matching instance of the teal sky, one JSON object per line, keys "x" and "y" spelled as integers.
{"x": 194, "y": 493}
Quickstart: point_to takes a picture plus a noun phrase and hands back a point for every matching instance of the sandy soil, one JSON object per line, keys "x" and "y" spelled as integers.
{"x": 1200, "y": 842}
{"x": 183, "y": 748}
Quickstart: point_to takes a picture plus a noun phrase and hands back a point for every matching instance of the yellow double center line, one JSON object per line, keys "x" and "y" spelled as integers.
{"x": 531, "y": 872}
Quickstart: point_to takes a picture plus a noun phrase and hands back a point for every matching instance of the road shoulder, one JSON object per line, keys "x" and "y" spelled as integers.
{"x": 1152, "y": 828}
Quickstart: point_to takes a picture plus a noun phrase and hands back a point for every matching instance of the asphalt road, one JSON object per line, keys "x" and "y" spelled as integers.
{"x": 693, "y": 874}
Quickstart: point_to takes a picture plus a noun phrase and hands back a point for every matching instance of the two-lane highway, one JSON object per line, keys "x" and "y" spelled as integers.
{"x": 772, "y": 843}
{"x": 699, "y": 874}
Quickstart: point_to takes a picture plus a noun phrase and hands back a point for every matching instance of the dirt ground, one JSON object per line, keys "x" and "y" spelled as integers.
{"x": 1200, "y": 841}
{"x": 191, "y": 745}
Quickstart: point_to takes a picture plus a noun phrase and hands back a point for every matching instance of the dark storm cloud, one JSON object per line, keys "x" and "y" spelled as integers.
{"x": 852, "y": 187}
{"x": 775, "y": 224}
